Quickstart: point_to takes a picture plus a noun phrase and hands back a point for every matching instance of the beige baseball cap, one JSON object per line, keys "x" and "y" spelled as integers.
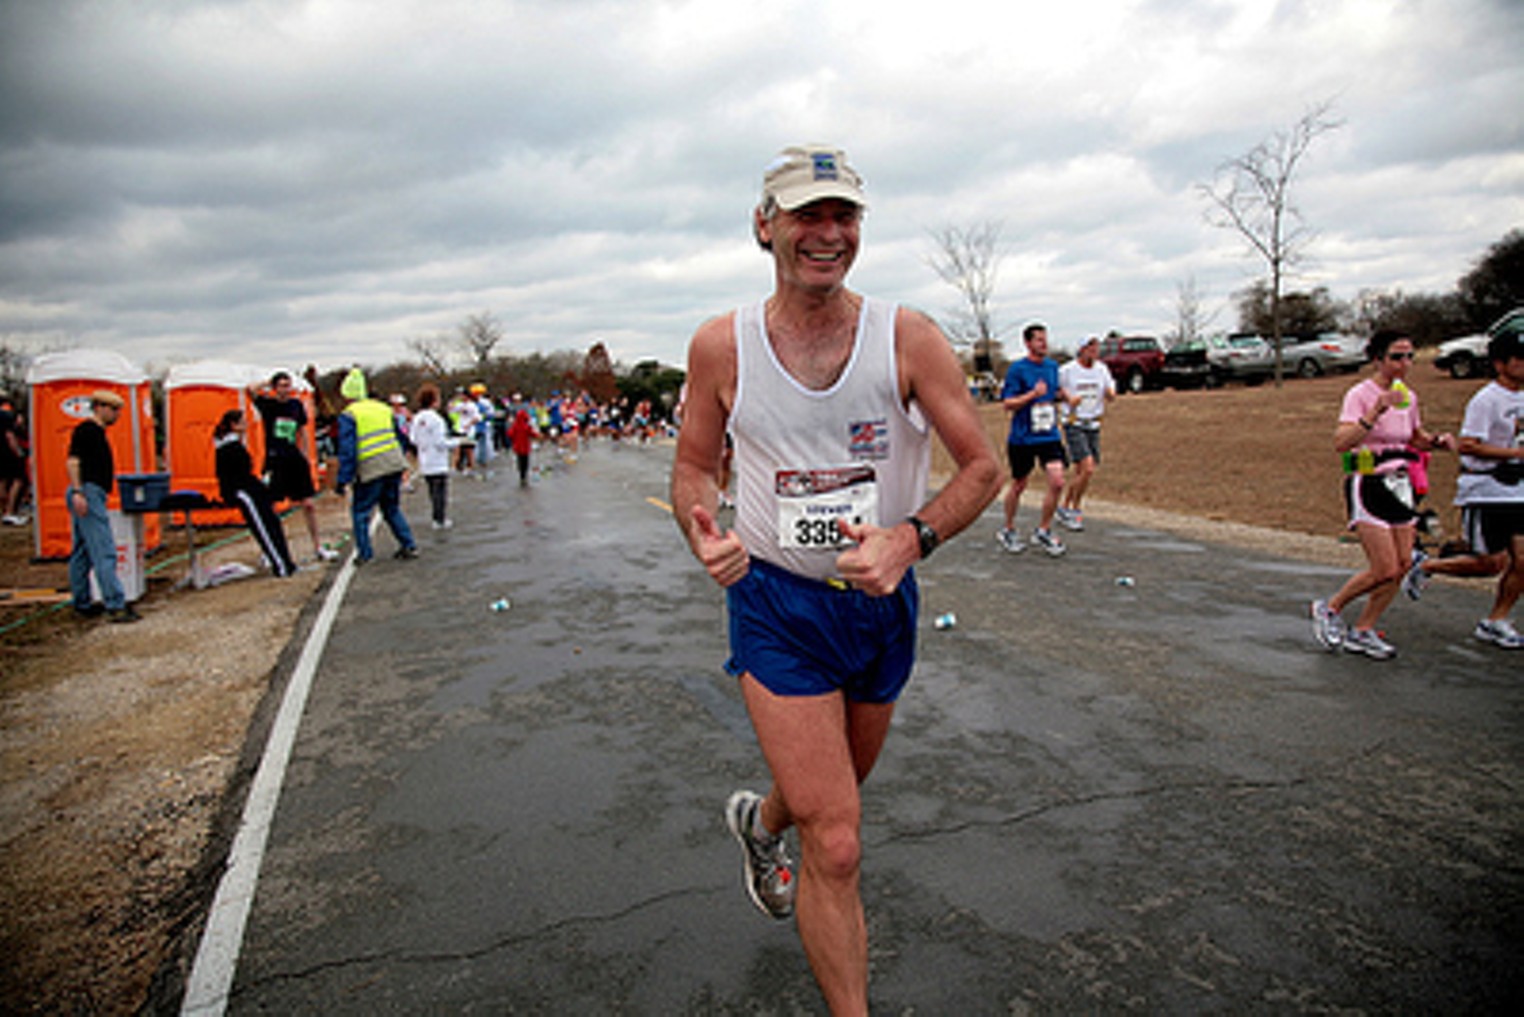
{"x": 106, "y": 397}
{"x": 804, "y": 173}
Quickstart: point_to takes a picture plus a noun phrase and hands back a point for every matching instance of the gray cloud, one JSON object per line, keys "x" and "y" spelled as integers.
{"x": 285, "y": 182}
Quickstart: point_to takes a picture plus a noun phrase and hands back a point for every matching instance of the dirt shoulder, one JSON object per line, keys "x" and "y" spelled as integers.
{"x": 121, "y": 743}
{"x": 123, "y": 746}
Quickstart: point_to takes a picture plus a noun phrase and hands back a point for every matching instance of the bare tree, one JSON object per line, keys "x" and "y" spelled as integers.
{"x": 13, "y": 365}
{"x": 1251, "y": 194}
{"x": 1190, "y": 319}
{"x": 479, "y": 334}
{"x": 433, "y": 352}
{"x": 968, "y": 260}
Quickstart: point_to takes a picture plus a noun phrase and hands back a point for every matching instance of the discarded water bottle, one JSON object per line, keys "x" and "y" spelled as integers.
{"x": 1126, "y": 581}
{"x": 500, "y": 605}
{"x": 945, "y": 621}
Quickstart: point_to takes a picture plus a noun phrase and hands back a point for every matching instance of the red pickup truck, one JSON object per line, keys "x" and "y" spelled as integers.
{"x": 1135, "y": 361}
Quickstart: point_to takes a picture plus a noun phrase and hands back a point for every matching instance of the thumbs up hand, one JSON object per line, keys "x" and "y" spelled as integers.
{"x": 721, "y": 551}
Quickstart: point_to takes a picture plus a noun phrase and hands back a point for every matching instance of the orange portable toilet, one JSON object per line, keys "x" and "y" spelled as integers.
{"x": 195, "y": 398}
{"x": 59, "y": 387}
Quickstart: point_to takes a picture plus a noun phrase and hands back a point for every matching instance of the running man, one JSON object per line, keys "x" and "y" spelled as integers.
{"x": 1490, "y": 492}
{"x": 289, "y": 473}
{"x": 1087, "y": 386}
{"x": 1031, "y": 396}
{"x": 831, "y": 398}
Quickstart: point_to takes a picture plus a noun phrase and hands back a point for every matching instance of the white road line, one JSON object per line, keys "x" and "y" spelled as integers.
{"x": 211, "y": 978}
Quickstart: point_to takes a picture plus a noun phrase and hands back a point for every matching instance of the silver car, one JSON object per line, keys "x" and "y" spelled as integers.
{"x": 1243, "y": 356}
{"x": 1325, "y": 352}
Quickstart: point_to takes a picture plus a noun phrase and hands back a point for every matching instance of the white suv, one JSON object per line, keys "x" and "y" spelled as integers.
{"x": 1466, "y": 357}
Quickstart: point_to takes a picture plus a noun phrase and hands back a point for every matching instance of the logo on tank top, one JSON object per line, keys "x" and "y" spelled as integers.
{"x": 868, "y": 439}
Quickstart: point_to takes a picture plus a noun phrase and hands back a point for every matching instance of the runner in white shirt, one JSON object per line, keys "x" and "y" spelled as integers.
{"x": 832, "y": 399}
{"x": 1490, "y": 492}
{"x": 1088, "y": 386}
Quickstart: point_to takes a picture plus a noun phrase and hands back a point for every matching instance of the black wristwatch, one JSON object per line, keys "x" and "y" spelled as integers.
{"x": 927, "y": 536}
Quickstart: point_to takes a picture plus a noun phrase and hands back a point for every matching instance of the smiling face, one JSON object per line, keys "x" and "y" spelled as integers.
{"x": 814, "y": 245}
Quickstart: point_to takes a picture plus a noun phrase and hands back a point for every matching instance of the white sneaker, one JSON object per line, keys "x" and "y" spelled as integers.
{"x": 1368, "y": 642}
{"x": 1499, "y": 633}
{"x": 1327, "y": 627}
{"x": 1049, "y": 543}
{"x": 327, "y": 554}
{"x": 1071, "y": 519}
{"x": 1010, "y": 540}
{"x": 769, "y": 870}
{"x": 1416, "y": 579}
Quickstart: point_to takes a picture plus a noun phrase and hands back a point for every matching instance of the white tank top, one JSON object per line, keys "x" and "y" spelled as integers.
{"x": 805, "y": 459}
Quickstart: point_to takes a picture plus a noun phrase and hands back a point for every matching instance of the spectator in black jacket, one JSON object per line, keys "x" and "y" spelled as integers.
{"x": 239, "y": 486}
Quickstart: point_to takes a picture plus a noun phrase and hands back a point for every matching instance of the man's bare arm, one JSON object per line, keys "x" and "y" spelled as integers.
{"x": 701, "y": 448}
{"x": 934, "y": 378}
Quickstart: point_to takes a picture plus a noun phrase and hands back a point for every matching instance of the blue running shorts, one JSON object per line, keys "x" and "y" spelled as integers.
{"x": 803, "y": 637}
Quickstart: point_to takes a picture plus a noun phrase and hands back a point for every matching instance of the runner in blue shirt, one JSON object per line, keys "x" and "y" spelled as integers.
{"x": 1031, "y": 396}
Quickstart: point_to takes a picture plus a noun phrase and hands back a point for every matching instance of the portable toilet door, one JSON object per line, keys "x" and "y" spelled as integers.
{"x": 59, "y": 387}
{"x": 195, "y": 398}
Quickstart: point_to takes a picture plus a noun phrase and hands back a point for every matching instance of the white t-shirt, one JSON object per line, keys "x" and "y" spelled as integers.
{"x": 432, "y": 439}
{"x": 1089, "y": 383}
{"x": 1494, "y": 416}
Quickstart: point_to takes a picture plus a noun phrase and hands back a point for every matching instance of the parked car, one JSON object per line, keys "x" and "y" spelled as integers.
{"x": 1135, "y": 361}
{"x": 1466, "y": 357}
{"x": 1309, "y": 357}
{"x": 1189, "y": 364}
{"x": 1245, "y": 357}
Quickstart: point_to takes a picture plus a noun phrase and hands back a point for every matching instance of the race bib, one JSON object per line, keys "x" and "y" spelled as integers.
{"x": 812, "y": 504}
{"x": 1044, "y": 417}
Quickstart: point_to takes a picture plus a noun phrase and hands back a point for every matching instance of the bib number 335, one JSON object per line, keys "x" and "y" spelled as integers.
{"x": 812, "y": 504}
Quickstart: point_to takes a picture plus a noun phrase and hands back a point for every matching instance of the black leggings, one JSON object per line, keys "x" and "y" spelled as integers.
{"x": 268, "y": 531}
{"x": 438, "y": 495}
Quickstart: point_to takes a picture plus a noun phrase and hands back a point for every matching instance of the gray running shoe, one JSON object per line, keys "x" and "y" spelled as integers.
{"x": 1010, "y": 540}
{"x": 1499, "y": 633}
{"x": 769, "y": 873}
{"x": 1049, "y": 543}
{"x": 1416, "y": 579}
{"x": 1071, "y": 519}
{"x": 1327, "y": 627}
{"x": 1368, "y": 642}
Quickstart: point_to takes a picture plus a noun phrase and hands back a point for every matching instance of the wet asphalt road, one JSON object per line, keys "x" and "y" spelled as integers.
{"x": 1096, "y": 798}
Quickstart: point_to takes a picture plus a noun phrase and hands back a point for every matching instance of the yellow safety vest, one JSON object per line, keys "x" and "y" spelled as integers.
{"x": 375, "y": 436}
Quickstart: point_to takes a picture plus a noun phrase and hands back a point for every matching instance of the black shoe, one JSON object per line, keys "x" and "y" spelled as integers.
{"x": 125, "y": 616}
{"x": 95, "y": 610}
{"x": 406, "y": 553}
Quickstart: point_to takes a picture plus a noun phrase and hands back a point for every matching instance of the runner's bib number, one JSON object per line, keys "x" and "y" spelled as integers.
{"x": 1044, "y": 416}
{"x": 812, "y": 504}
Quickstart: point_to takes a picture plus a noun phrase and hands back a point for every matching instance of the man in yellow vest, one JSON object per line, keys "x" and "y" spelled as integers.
{"x": 370, "y": 457}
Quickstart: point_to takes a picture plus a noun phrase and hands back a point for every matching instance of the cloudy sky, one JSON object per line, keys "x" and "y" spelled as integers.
{"x": 283, "y": 182}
